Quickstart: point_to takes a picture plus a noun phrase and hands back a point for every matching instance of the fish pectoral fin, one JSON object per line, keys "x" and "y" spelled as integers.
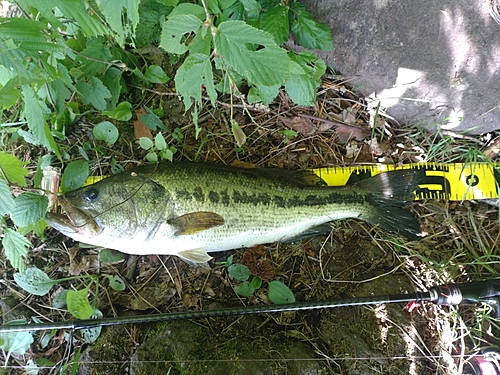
{"x": 197, "y": 257}
{"x": 195, "y": 222}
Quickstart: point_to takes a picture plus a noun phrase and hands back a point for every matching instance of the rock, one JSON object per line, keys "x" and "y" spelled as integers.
{"x": 431, "y": 62}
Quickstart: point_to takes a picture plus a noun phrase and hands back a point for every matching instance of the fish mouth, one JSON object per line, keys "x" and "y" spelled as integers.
{"x": 73, "y": 221}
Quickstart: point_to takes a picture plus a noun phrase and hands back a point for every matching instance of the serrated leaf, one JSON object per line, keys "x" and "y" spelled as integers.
{"x": 174, "y": 29}
{"x": 192, "y": 75}
{"x": 308, "y": 32}
{"x": 74, "y": 175}
{"x": 160, "y": 143}
{"x": 252, "y": 8}
{"x": 245, "y": 289}
{"x": 275, "y": 22}
{"x": 155, "y": 74}
{"x": 16, "y": 342}
{"x": 188, "y": 9}
{"x": 116, "y": 282}
{"x": 145, "y": 143}
{"x": 91, "y": 334}
{"x": 78, "y": 304}
{"x": 16, "y": 248}
{"x": 239, "y": 272}
{"x": 94, "y": 92}
{"x": 280, "y": 293}
{"x": 122, "y": 16}
{"x": 29, "y": 209}
{"x": 6, "y": 198}
{"x": 237, "y": 43}
{"x": 106, "y": 131}
{"x": 74, "y": 9}
{"x": 34, "y": 281}
{"x": 92, "y": 60}
{"x": 122, "y": 112}
{"x": 13, "y": 168}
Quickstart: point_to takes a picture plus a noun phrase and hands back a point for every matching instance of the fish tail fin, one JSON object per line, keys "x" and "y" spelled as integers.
{"x": 389, "y": 193}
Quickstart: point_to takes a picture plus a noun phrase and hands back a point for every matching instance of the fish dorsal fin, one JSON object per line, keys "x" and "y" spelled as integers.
{"x": 196, "y": 257}
{"x": 195, "y": 222}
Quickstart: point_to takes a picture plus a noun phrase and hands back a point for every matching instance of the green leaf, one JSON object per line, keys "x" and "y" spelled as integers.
{"x": 308, "y": 32}
{"x": 152, "y": 157}
{"x": 307, "y": 71}
{"x": 174, "y": 30}
{"x": 106, "y": 131}
{"x": 275, "y": 22}
{"x": 91, "y": 26}
{"x": 116, "y": 282}
{"x": 160, "y": 143}
{"x": 16, "y": 342}
{"x": 122, "y": 16}
{"x": 236, "y": 42}
{"x": 16, "y": 248}
{"x": 29, "y": 209}
{"x": 239, "y": 272}
{"x": 245, "y": 289}
{"x": 122, "y": 112}
{"x": 155, "y": 74}
{"x": 94, "y": 92}
{"x": 10, "y": 94}
{"x": 91, "y": 334}
{"x": 238, "y": 134}
{"x": 35, "y": 111}
{"x": 192, "y": 75}
{"x": 59, "y": 300}
{"x": 34, "y": 281}
{"x": 111, "y": 256}
{"x": 188, "y": 9}
{"x": 74, "y": 176}
{"x": 6, "y": 198}
{"x": 145, "y": 143}
{"x": 280, "y": 293}
{"x": 13, "y": 168}
{"x": 152, "y": 121}
{"x": 78, "y": 304}
{"x": 252, "y": 8}
{"x": 263, "y": 94}
{"x": 256, "y": 282}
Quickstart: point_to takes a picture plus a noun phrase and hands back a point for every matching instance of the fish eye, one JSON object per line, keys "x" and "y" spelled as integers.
{"x": 90, "y": 195}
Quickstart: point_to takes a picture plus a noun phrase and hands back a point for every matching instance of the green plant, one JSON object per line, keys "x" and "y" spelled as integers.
{"x": 277, "y": 291}
{"x": 157, "y": 148}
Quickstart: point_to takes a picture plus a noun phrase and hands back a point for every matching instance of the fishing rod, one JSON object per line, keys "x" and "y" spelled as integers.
{"x": 487, "y": 292}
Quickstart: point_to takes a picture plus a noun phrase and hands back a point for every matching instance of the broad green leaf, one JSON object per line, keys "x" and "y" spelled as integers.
{"x": 239, "y": 272}
{"x": 78, "y": 304}
{"x": 188, "y": 9}
{"x": 245, "y": 289}
{"x": 91, "y": 334}
{"x": 280, "y": 293}
{"x": 16, "y": 248}
{"x": 91, "y": 26}
{"x": 34, "y": 281}
{"x": 275, "y": 22}
{"x": 192, "y": 75}
{"x": 160, "y": 143}
{"x": 59, "y": 300}
{"x": 145, "y": 143}
{"x": 152, "y": 157}
{"x": 152, "y": 15}
{"x": 9, "y": 95}
{"x": 35, "y": 111}
{"x": 122, "y": 112}
{"x": 74, "y": 175}
{"x": 13, "y": 168}
{"x": 236, "y": 42}
{"x": 252, "y": 8}
{"x": 45, "y": 11}
{"x": 155, "y": 74}
{"x": 106, "y": 131}
{"x": 6, "y": 198}
{"x": 122, "y": 16}
{"x": 111, "y": 256}
{"x": 116, "y": 282}
{"x": 152, "y": 121}
{"x": 308, "y": 32}
{"x": 174, "y": 30}
{"x": 29, "y": 209}
{"x": 92, "y": 61}
{"x": 263, "y": 94}
{"x": 112, "y": 80}
{"x": 307, "y": 71}
{"x": 94, "y": 92}
{"x": 15, "y": 342}
{"x": 256, "y": 282}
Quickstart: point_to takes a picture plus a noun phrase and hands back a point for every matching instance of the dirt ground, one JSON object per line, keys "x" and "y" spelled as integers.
{"x": 353, "y": 260}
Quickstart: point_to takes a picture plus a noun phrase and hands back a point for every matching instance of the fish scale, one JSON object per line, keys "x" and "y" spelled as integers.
{"x": 189, "y": 209}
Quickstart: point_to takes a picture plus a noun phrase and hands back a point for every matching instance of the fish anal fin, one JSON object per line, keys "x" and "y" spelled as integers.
{"x": 196, "y": 257}
{"x": 195, "y": 222}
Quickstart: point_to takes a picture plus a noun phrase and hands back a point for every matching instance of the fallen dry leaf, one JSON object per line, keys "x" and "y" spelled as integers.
{"x": 141, "y": 130}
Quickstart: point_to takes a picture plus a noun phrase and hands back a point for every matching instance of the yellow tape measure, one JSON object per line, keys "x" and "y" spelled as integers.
{"x": 455, "y": 181}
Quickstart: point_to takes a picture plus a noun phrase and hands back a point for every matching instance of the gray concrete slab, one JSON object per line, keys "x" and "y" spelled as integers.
{"x": 432, "y": 62}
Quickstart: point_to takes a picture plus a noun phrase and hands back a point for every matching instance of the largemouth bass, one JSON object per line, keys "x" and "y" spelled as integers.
{"x": 188, "y": 209}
